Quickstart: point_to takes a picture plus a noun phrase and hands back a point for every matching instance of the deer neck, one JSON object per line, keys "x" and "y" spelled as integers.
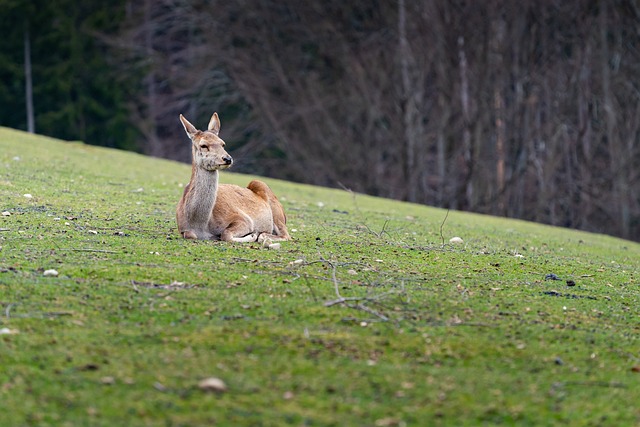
{"x": 203, "y": 192}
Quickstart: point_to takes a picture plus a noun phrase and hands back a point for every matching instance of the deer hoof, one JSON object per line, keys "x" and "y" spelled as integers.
{"x": 265, "y": 240}
{"x": 189, "y": 235}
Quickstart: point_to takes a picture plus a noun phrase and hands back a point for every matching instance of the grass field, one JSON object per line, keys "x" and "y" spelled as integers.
{"x": 369, "y": 317}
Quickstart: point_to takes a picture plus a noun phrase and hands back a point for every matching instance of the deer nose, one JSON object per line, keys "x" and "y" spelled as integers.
{"x": 227, "y": 159}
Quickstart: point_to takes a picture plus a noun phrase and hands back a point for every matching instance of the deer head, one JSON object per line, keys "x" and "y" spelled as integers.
{"x": 207, "y": 148}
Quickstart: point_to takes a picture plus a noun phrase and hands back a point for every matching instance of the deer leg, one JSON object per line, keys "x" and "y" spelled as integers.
{"x": 248, "y": 238}
{"x": 239, "y": 231}
{"x": 273, "y": 237}
{"x": 189, "y": 234}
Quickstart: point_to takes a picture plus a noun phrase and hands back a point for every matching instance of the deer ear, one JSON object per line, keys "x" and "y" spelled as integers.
{"x": 188, "y": 127}
{"x": 214, "y": 124}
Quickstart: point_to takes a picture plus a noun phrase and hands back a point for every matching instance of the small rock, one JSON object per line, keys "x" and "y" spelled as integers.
{"x": 27, "y": 196}
{"x": 297, "y": 262}
{"x": 92, "y": 232}
{"x": 456, "y": 240}
{"x": 388, "y": 422}
{"x": 6, "y": 213}
{"x": 50, "y": 273}
{"x": 108, "y": 380}
{"x": 275, "y": 246}
{"x": 7, "y": 331}
{"x": 212, "y": 384}
{"x": 352, "y": 272}
{"x": 159, "y": 386}
{"x": 288, "y": 395}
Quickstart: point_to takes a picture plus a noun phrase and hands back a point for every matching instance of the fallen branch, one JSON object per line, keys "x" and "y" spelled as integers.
{"x": 609, "y": 384}
{"x": 341, "y": 300}
{"x": 90, "y": 250}
{"x": 360, "y": 301}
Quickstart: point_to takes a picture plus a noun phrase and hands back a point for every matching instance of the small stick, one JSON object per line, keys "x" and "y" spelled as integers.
{"x": 90, "y": 250}
{"x": 442, "y": 226}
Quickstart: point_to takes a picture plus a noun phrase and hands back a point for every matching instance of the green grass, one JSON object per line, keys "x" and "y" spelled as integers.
{"x": 437, "y": 334}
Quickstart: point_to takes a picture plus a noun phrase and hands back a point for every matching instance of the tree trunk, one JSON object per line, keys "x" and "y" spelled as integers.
{"x": 465, "y": 194}
{"x": 497, "y": 63}
{"x": 31, "y": 126}
{"x": 408, "y": 105}
{"x": 152, "y": 116}
{"x": 617, "y": 162}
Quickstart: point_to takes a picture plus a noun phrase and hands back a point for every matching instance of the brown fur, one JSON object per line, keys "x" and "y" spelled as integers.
{"x": 208, "y": 210}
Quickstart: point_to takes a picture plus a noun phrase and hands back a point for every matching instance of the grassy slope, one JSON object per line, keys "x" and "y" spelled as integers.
{"x": 137, "y": 316}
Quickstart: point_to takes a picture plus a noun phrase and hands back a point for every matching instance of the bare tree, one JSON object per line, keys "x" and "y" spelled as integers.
{"x": 512, "y": 109}
{"x": 31, "y": 122}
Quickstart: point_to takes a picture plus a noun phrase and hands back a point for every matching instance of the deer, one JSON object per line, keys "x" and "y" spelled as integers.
{"x": 213, "y": 211}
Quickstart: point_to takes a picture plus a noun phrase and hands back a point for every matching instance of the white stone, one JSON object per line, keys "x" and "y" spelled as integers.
{"x": 212, "y": 384}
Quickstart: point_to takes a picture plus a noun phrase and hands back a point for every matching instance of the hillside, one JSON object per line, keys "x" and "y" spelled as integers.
{"x": 427, "y": 334}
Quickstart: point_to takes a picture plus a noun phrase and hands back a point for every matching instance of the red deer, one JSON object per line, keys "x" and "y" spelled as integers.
{"x": 208, "y": 210}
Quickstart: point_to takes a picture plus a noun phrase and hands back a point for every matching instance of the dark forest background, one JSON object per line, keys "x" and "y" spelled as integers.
{"x": 526, "y": 109}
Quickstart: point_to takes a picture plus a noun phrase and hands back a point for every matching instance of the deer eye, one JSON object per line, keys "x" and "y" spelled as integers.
{"x": 204, "y": 147}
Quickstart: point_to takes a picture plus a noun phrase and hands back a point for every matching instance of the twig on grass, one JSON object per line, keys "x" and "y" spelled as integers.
{"x": 90, "y": 250}
{"x": 7, "y": 310}
{"x": 313, "y": 293}
{"x": 360, "y": 302}
{"x": 382, "y": 232}
{"x": 357, "y": 208}
{"x": 608, "y": 384}
{"x": 353, "y": 195}
{"x": 442, "y": 226}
